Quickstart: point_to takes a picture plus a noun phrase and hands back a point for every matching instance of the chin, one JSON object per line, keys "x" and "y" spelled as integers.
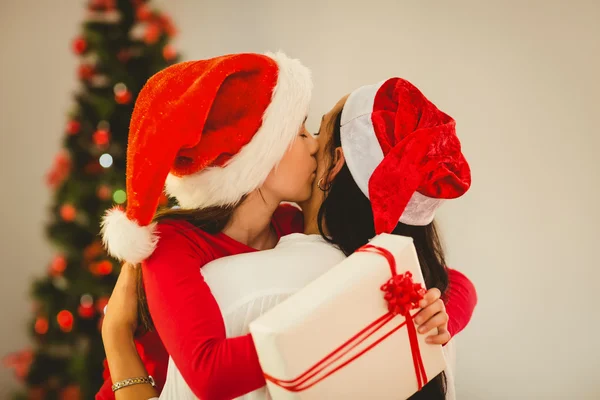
{"x": 303, "y": 197}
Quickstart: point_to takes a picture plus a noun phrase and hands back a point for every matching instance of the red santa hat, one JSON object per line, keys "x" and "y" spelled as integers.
{"x": 402, "y": 152}
{"x": 212, "y": 130}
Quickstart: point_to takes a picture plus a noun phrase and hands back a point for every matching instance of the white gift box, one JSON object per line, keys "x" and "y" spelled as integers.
{"x": 335, "y": 339}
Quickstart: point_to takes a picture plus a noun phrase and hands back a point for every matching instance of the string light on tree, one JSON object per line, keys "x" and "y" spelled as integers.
{"x": 169, "y": 53}
{"x": 60, "y": 282}
{"x": 41, "y": 325}
{"x": 94, "y": 250}
{"x": 120, "y": 196}
{"x": 101, "y": 137}
{"x": 104, "y": 192}
{"x": 61, "y": 168}
{"x": 79, "y": 45}
{"x": 152, "y": 33}
{"x": 68, "y": 212}
{"x": 65, "y": 320}
{"x": 106, "y": 160}
{"x": 167, "y": 25}
{"x": 58, "y": 265}
{"x": 107, "y": 5}
{"x": 101, "y": 268}
{"x": 86, "y": 308}
{"x": 122, "y": 94}
{"x": 73, "y": 127}
{"x": 143, "y": 13}
{"x": 85, "y": 72}
{"x": 71, "y": 392}
{"x": 101, "y": 304}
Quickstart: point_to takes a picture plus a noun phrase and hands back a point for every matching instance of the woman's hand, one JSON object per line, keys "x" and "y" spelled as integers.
{"x": 433, "y": 315}
{"x": 122, "y": 310}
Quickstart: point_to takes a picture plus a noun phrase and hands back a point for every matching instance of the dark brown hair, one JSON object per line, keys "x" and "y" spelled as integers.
{"x": 346, "y": 213}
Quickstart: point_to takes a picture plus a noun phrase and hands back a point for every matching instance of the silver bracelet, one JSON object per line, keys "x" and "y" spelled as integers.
{"x": 133, "y": 381}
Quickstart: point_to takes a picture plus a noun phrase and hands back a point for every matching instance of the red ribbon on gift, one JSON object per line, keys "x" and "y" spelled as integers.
{"x": 402, "y": 295}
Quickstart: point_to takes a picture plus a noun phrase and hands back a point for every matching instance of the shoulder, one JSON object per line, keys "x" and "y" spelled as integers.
{"x": 288, "y": 218}
{"x": 178, "y": 236}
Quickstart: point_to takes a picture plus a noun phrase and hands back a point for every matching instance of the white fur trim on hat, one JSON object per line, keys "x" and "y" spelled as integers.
{"x": 125, "y": 239}
{"x": 363, "y": 153}
{"x": 248, "y": 169}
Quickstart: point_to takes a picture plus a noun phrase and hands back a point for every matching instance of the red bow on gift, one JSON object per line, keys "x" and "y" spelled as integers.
{"x": 402, "y": 294}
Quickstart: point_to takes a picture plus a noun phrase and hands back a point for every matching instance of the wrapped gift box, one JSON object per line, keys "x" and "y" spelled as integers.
{"x": 336, "y": 338}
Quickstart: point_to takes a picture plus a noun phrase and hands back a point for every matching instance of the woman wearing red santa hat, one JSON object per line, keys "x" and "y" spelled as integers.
{"x": 386, "y": 133}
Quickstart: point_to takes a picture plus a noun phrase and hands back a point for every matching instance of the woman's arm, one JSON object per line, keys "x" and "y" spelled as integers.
{"x": 125, "y": 363}
{"x": 461, "y": 299}
{"x": 118, "y": 330}
{"x": 189, "y": 321}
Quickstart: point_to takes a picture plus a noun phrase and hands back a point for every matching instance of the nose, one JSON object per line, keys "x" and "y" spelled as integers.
{"x": 314, "y": 145}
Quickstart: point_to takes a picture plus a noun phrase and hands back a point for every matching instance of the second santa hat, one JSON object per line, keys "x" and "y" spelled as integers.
{"x": 402, "y": 152}
{"x": 212, "y": 130}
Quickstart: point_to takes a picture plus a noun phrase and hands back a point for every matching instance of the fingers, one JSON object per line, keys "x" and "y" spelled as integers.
{"x": 429, "y": 311}
{"x": 437, "y": 321}
{"x": 431, "y": 296}
{"x": 442, "y": 337}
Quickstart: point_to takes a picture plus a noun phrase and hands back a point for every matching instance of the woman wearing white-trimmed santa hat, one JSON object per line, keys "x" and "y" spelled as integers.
{"x": 389, "y": 133}
{"x": 227, "y": 137}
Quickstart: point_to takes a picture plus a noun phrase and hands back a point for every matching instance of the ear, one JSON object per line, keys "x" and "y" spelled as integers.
{"x": 338, "y": 162}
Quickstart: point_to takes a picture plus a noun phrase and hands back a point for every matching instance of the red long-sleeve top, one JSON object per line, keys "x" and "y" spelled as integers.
{"x": 189, "y": 322}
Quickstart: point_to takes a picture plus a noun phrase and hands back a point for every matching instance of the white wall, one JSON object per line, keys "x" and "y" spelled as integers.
{"x": 37, "y": 74}
{"x": 521, "y": 79}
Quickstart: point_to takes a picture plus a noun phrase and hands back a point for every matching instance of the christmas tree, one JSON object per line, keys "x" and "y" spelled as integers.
{"x": 121, "y": 45}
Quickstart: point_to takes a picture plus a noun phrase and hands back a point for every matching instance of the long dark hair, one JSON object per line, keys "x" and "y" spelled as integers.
{"x": 212, "y": 220}
{"x": 346, "y": 213}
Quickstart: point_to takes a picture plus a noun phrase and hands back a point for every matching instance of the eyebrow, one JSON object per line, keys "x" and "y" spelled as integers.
{"x": 305, "y": 118}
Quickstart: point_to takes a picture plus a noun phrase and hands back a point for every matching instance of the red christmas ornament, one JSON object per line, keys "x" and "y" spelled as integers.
{"x": 101, "y": 268}
{"x": 60, "y": 170}
{"x": 79, "y": 45}
{"x": 169, "y": 53}
{"x": 41, "y": 326}
{"x": 20, "y": 362}
{"x": 65, "y": 320}
{"x": 167, "y": 25}
{"x": 107, "y": 5}
{"x": 143, "y": 13}
{"x": 68, "y": 212}
{"x": 101, "y": 137}
{"x": 58, "y": 265}
{"x": 93, "y": 250}
{"x": 152, "y": 33}
{"x": 86, "y": 312}
{"x": 101, "y": 303}
{"x": 85, "y": 72}
{"x": 104, "y": 192}
{"x": 71, "y": 392}
{"x": 73, "y": 127}
{"x": 123, "y": 97}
